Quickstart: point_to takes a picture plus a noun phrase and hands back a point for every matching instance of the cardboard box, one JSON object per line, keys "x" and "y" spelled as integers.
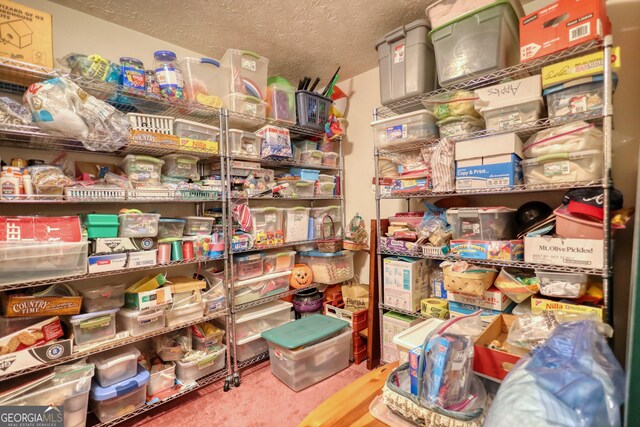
{"x": 406, "y": 282}
{"x": 146, "y": 138}
{"x": 142, "y": 259}
{"x": 495, "y": 171}
{"x": 561, "y": 25}
{"x": 457, "y": 309}
{"x": 111, "y": 262}
{"x": 506, "y": 250}
{"x": 414, "y": 362}
{"x": 576, "y": 68}
{"x": 409, "y": 185}
{"x": 540, "y": 304}
{"x": 494, "y": 364}
{"x": 32, "y": 336}
{"x": 26, "y": 33}
{"x": 492, "y": 299}
{"x": 386, "y": 185}
{"x": 32, "y": 306}
{"x": 392, "y": 324}
{"x": 398, "y": 245}
{"x": 40, "y": 229}
{"x": 494, "y": 145}
{"x": 110, "y": 245}
{"x": 510, "y": 93}
{"x": 34, "y": 356}
{"x": 197, "y": 145}
{"x": 586, "y": 253}
{"x": 148, "y": 299}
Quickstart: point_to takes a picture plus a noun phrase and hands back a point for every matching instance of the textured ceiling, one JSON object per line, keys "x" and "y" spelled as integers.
{"x": 304, "y": 37}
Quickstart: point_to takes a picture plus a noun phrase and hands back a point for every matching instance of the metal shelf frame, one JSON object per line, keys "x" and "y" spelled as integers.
{"x": 603, "y": 118}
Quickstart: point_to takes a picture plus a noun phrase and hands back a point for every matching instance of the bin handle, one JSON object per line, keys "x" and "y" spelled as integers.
{"x": 251, "y": 53}
{"x": 395, "y": 36}
{"x": 210, "y": 61}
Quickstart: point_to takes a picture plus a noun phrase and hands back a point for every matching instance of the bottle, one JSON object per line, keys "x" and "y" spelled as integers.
{"x": 9, "y": 184}
{"x": 168, "y": 74}
{"x": 27, "y": 183}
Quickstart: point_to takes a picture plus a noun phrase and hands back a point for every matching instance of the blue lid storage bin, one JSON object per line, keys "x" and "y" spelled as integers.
{"x": 305, "y": 174}
{"x": 120, "y": 398}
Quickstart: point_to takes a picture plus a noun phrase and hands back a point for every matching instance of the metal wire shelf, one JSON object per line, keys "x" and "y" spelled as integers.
{"x": 264, "y": 248}
{"x": 514, "y": 72}
{"x": 401, "y": 311}
{"x": 282, "y": 163}
{"x": 255, "y": 359}
{"x": 500, "y": 263}
{"x": 244, "y": 121}
{"x": 65, "y": 279}
{"x": 97, "y": 198}
{"x": 260, "y": 301}
{"x": 271, "y": 197}
{"x": 114, "y": 344}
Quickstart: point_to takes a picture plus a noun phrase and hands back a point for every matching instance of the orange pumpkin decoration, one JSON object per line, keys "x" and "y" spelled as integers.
{"x": 301, "y": 276}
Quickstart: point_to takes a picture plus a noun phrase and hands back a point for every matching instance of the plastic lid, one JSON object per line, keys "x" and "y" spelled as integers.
{"x": 119, "y": 389}
{"x": 197, "y": 124}
{"x": 140, "y": 158}
{"x": 147, "y": 313}
{"x": 133, "y": 60}
{"x": 304, "y": 331}
{"x": 475, "y": 12}
{"x": 579, "y": 82}
{"x": 249, "y": 257}
{"x": 104, "y": 291}
{"x": 263, "y": 278}
{"x": 184, "y": 221}
{"x": 80, "y": 317}
{"x": 410, "y": 26}
{"x": 111, "y": 358}
{"x": 278, "y": 80}
{"x": 262, "y": 311}
{"x": 164, "y": 55}
{"x": 324, "y": 254}
{"x": 415, "y": 335}
{"x": 404, "y": 116}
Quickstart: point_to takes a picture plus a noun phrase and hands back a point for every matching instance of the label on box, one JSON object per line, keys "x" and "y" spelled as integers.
{"x": 538, "y": 305}
{"x": 398, "y": 54}
{"x": 564, "y": 251}
{"x": 396, "y": 132}
{"x": 574, "y": 68}
{"x": 579, "y": 32}
{"x": 492, "y": 299}
{"x": 25, "y": 306}
{"x": 248, "y": 64}
{"x": 557, "y": 168}
{"x": 489, "y": 175}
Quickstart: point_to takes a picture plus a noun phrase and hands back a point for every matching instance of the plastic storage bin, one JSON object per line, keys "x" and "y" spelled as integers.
{"x": 305, "y": 145}
{"x": 181, "y": 166}
{"x": 101, "y": 225}
{"x": 562, "y": 285}
{"x": 195, "y": 130}
{"x": 162, "y": 379}
{"x": 115, "y": 365}
{"x": 414, "y": 337}
{"x": 188, "y": 372}
{"x": 244, "y": 143}
{"x": 316, "y": 224}
{"x": 138, "y": 224}
{"x": 312, "y": 110}
{"x": 198, "y": 225}
{"x": 329, "y": 268}
{"x": 121, "y": 398}
{"x": 142, "y": 169}
{"x": 103, "y": 297}
{"x": 263, "y": 286}
{"x": 186, "y": 313}
{"x": 410, "y": 127}
{"x": 576, "y": 227}
{"x": 571, "y": 98}
{"x": 267, "y": 226}
{"x": 203, "y": 343}
{"x": 205, "y": 81}
{"x": 311, "y": 157}
{"x": 325, "y": 188}
{"x": 568, "y": 138}
{"x": 248, "y": 72}
{"x": 92, "y": 327}
{"x": 275, "y": 262}
{"x": 477, "y": 43}
{"x": 171, "y": 228}
{"x": 296, "y": 224}
{"x": 508, "y": 117}
{"x": 281, "y": 100}
{"x": 305, "y": 174}
{"x": 330, "y": 159}
{"x": 248, "y": 266}
{"x": 489, "y": 223}
{"x": 249, "y": 347}
{"x": 247, "y": 105}
{"x": 301, "y": 188}
{"x": 252, "y": 322}
{"x": 583, "y": 166}
{"x": 462, "y": 125}
{"x": 140, "y": 322}
{"x": 406, "y": 61}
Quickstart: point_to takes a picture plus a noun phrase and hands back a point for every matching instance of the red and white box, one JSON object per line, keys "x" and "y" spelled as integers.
{"x": 492, "y": 299}
{"x": 24, "y": 229}
{"x": 560, "y": 25}
{"x": 32, "y": 336}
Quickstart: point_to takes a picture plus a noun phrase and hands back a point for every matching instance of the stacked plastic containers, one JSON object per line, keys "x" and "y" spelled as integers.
{"x": 205, "y": 81}
{"x": 247, "y": 73}
{"x": 281, "y": 100}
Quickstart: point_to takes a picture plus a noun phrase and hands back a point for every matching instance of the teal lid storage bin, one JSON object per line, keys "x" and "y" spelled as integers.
{"x": 101, "y": 225}
{"x": 305, "y": 331}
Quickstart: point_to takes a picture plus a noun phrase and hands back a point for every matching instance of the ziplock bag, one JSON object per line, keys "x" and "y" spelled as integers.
{"x": 569, "y": 138}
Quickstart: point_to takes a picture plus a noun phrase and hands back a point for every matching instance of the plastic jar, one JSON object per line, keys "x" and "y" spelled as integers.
{"x": 151, "y": 83}
{"x": 168, "y": 74}
{"x": 133, "y": 74}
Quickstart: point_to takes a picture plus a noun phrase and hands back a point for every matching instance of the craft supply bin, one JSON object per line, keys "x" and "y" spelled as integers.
{"x": 185, "y": 313}
{"x": 460, "y": 125}
{"x": 564, "y": 100}
{"x": 162, "y": 380}
{"x": 330, "y": 159}
{"x": 101, "y": 225}
{"x": 248, "y": 72}
{"x": 268, "y": 225}
{"x": 482, "y": 223}
{"x": 181, "y": 166}
{"x": 299, "y": 188}
{"x": 115, "y": 365}
{"x": 121, "y": 398}
{"x": 202, "y": 344}
{"x": 562, "y": 285}
{"x": 329, "y": 268}
{"x": 248, "y": 266}
{"x": 325, "y": 188}
{"x": 296, "y": 224}
{"x": 205, "y": 81}
{"x": 171, "y": 228}
{"x": 195, "y": 130}
{"x": 281, "y": 100}
{"x": 198, "y": 225}
{"x": 103, "y": 297}
{"x": 142, "y": 169}
{"x": 259, "y": 287}
{"x": 318, "y": 214}
{"x": 247, "y": 105}
{"x": 188, "y": 372}
{"x": 244, "y": 143}
{"x": 250, "y": 347}
{"x": 410, "y": 127}
{"x": 92, "y": 327}
{"x": 138, "y": 224}
{"x": 275, "y": 262}
{"x": 312, "y": 110}
{"x": 513, "y": 116}
{"x": 140, "y": 322}
{"x": 309, "y": 157}
{"x": 253, "y": 321}
{"x": 581, "y": 166}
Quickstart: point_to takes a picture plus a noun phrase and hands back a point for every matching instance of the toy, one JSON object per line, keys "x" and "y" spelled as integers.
{"x": 301, "y": 276}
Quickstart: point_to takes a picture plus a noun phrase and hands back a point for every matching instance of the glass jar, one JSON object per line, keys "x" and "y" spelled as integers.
{"x": 168, "y": 74}
{"x": 133, "y": 75}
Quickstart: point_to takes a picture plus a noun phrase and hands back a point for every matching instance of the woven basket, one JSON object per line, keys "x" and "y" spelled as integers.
{"x": 353, "y": 246}
{"x": 468, "y": 282}
{"x": 331, "y": 244}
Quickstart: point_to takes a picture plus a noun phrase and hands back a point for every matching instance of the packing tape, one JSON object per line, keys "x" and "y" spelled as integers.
{"x": 434, "y": 307}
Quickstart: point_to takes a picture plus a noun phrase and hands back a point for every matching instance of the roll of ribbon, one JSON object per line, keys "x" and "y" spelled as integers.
{"x": 434, "y": 307}
{"x": 164, "y": 253}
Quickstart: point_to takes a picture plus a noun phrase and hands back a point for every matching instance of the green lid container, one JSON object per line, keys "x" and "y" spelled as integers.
{"x": 101, "y": 225}
{"x": 305, "y": 331}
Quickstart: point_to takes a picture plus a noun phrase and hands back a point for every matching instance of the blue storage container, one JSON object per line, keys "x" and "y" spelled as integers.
{"x": 305, "y": 174}
{"x": 120, "y": 398}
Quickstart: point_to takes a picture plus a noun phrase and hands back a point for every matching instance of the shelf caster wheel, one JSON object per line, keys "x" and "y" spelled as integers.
{"x": 227, "y": 385}
{"x": 236, "y": 381}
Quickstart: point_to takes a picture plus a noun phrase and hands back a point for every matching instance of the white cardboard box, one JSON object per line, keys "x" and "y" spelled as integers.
{"x": 405, "y": 283}
{"x": 494, "y": 145}
{"x": 492, "y": 299}
{"x": 34, "y": 356}
{"x": 392, "y": 325}
{"x": 587, "y": 253}
{"x": 111, "y": 262}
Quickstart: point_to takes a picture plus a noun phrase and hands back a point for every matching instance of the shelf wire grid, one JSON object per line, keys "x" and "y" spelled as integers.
{"x": 264, "y": 300}
{"x": 282, "y": 163}
{"x": 252, "y": 361}
{"x": 283, "y": 245}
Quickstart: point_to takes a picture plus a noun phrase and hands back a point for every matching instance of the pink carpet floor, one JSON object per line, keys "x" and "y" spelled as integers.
{"x": 260, "y": 401}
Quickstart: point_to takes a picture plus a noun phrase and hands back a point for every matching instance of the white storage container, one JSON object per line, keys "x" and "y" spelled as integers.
{"x": 138, "y": 224}
{"x": 410, "y": 127}
{"x": 248, "y": 72}
{"x": 144, "y": 170}
{"x": 185, "y": 313}
{"x": 115, "y": 365}
{"x": 583, "y": 166}
{"x": 330, "y": 159}
{"x": 188, "y": 372}
{"x": 576, "y": 97}
{"x": 317, "y": 215}
{"x": 513, "y": 116}
{"x": 103, "y": 297}
{"x": 93, "y": 327}
{"x": 311, "y": 157}
{"x": 203, "y": 343}
{"x": 303, "y": 368}
{"x": 326, "y": 178}
{"x": 278, "y": 261}
{"x": 569, "y": 138}
{"x": 267, "y": 226}
{"x": 198, "y": 225}
{"x": 248, "y": 266}
{"x": 251, "y": 346}
{"x": 247, "y": 105}
{"x": 562, "y": 285}
{"x": 483, "y": 223}
{"x": 195, "y": 130}
{"x": 460, "y": 125}
{"x": 325, "y": 188}
{"x": 263, "y": 286}
{"x": 205, "y": 81}
{"x": 296, "y": 224}
{"x": 181, "y": 166}
{"x": 414, "y": 337}
{"x": 244, "y": 143}
{"x": 121, "y": 398}
{"x": 253, "y": 321}
{"x": 162, "y": 379}
{"x": 140, "y": 322}
{"x": 329, "y": 268}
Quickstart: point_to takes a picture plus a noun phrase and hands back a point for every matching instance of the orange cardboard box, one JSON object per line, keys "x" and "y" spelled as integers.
{"x": 28, "y": 306}
{"x": 494, "y": 363}
{"x": 26, "y": 34}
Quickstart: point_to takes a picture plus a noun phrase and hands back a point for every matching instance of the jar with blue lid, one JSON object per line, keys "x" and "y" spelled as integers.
{"x": 168, "y": 74}
{"x": 132, "y": 73}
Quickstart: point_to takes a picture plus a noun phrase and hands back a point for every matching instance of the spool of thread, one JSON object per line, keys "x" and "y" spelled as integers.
{"x": 164, "y": 253}
{"x": 187, "y": 249}
{"x": 176, "y": 251}
{"x": 434, "y": 307}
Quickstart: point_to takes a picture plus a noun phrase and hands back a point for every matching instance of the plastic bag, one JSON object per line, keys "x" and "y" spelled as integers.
{"x": 458, "y": 103}
{"x": 172, "y": 346}
{"x": 48, "y": 176}
{"x": 516, "y": 283}
{"x": 573, "y": 380}
{"x": 569, "y": 138}
{"x": 91, "y": 66}
{"x": 13, "y": 113}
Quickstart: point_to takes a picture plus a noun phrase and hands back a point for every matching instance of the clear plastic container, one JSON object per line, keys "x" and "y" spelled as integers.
{"x": 93, "y": 327}
{"x": 186, "y": 313}
{"x": 326, "y": 178}
{"x": 267, "y": 226}
{"x": 583, "y": 166}
{"x": 248, "y": 266}
{"x": 203, "y": 343}
{"x": 142, "y": 169}
{"x": 244, "y": 143}
{"x": 275, "y": 262}
{"x": 188, "y": 372}
{"x": 247, "y": 105}
{"x": 198, "y": 225}
{"x": 138, "y": 224}
{"x": 195, "y": 130}
{"x": 103, "y": 297}
{"x": 460, "y": 125}
{"x": 305, "y": 145}
{"x": 250, "y": 347}
{"x": 181, "y": 166}
{"x": 45, "y": 260}
{"x": 416, "y": 126}
{"x": 568, "y": 138}
{"x": 296, "y": 224}
{"x": 301, "y": 188}
{"x": 317, "y": 215}
{"x": 311, "y": 157}
{"x": 490, "y": 223}
{"x": 119, "y": 399}
{"x": 581, "y": 98}
{"x": 305, "y": 174}
{"x": 562, "y": 285}
{"x": 579, "y": 227}
{"x": 475, "y": 44}
{"x": 329, "y": 268}
{"x": 253, "y": 321}
{"x": 115, "y": 365}
{"x": 248, "y": 72}
{"x": 330, "y": 159}
{"x": 205, "y": 81}
{"x": 505, "y": 118}
{"x": 281, "y": 100}
{"x": 140, "y": 322}
{"x": 162, "y": 379}
{"x": 259, "y": 287}
{"x": 171, "y": 228}
{"x": 299, "y": 369}
{"x": 168, "y": 74}
{"x": 325, "y": 188}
